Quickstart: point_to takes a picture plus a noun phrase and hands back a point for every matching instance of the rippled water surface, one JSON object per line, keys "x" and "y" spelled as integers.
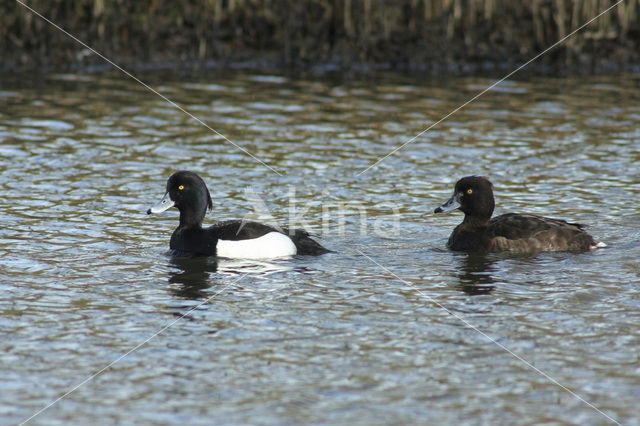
{"x": 392, "y": 328}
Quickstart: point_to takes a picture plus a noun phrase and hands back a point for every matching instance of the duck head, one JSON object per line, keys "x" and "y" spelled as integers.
{"x": 188, "y": 193}
{"x": 473, "y": 195}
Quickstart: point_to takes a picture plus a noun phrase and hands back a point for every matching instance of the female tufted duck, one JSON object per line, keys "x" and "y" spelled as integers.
{"x": 518, "y": 233}
{"x": 234, "y": 238}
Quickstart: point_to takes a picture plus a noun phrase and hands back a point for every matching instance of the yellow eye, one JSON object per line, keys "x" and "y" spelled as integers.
{"x": 181, "y": 187}
{"x": 469, "y": 191}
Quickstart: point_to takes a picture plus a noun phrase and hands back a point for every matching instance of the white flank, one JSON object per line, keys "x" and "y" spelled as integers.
{"x": 273, "y": 244}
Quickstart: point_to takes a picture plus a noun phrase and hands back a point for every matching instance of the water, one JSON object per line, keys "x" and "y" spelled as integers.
{"x": 392, "y": 328}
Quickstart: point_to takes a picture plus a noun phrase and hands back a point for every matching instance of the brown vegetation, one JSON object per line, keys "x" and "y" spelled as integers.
{"x": 433, "y": 35}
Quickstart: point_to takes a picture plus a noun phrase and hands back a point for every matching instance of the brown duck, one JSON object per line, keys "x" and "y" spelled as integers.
{"x": 511, "y": 232}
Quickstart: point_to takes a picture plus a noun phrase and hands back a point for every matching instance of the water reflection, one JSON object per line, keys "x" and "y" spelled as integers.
{"x": 476, "y": 273}
{"x": 195, "y": 275}
{"x": 255, "y": 267}
{"x": 192, "y": 274}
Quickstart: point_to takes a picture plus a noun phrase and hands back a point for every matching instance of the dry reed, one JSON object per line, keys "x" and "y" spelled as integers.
{"x": 390, "y": 33}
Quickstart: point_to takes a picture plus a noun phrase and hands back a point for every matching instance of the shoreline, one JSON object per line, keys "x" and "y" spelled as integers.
{"x": 354, "y": 70}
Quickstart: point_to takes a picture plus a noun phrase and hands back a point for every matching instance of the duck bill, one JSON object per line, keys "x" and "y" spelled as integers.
{"x": 165, "y": 204}
{"x": 451, "y": 204}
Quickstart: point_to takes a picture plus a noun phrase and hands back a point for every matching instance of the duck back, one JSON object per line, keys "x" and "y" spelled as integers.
{"x": 531, "y": 233}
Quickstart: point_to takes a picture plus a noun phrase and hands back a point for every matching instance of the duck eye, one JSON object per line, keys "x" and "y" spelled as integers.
{"x": 181, "y": 187}
{"x": 469, "y": 191}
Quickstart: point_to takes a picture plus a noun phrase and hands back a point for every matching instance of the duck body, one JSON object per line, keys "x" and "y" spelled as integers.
{"x": 234, "y": 238}
{"x": 511, "y": 232}
{"x": 521, "y": 233}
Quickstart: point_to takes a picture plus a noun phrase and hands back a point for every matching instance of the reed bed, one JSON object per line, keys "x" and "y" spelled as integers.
{"x": 399, "y": 34}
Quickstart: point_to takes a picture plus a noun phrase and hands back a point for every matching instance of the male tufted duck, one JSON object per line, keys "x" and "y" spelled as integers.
{"x": 234, "y": 238}
{"x": 518, "y": 233}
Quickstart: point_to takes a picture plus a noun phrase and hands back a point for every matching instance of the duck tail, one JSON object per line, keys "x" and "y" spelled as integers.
{"x": 305, "y": 245}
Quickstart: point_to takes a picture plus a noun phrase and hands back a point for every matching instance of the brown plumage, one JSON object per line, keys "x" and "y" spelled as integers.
{"x": 519, "y": 233}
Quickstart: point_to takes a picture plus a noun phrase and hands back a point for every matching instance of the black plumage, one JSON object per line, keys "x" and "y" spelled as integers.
{"x": 189, "y": 194}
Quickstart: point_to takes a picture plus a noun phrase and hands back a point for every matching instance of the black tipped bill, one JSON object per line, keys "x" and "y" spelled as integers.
{"x": 451, "y": 204}
{"x": 165, "y": 204}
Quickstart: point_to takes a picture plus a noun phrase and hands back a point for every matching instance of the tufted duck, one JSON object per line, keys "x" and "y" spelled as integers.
{"x": 234, "y": 238}
{"x": 518, "y": 233}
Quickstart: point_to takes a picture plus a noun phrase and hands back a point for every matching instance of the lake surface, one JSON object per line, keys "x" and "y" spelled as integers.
{"x": 392, "y": 328}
